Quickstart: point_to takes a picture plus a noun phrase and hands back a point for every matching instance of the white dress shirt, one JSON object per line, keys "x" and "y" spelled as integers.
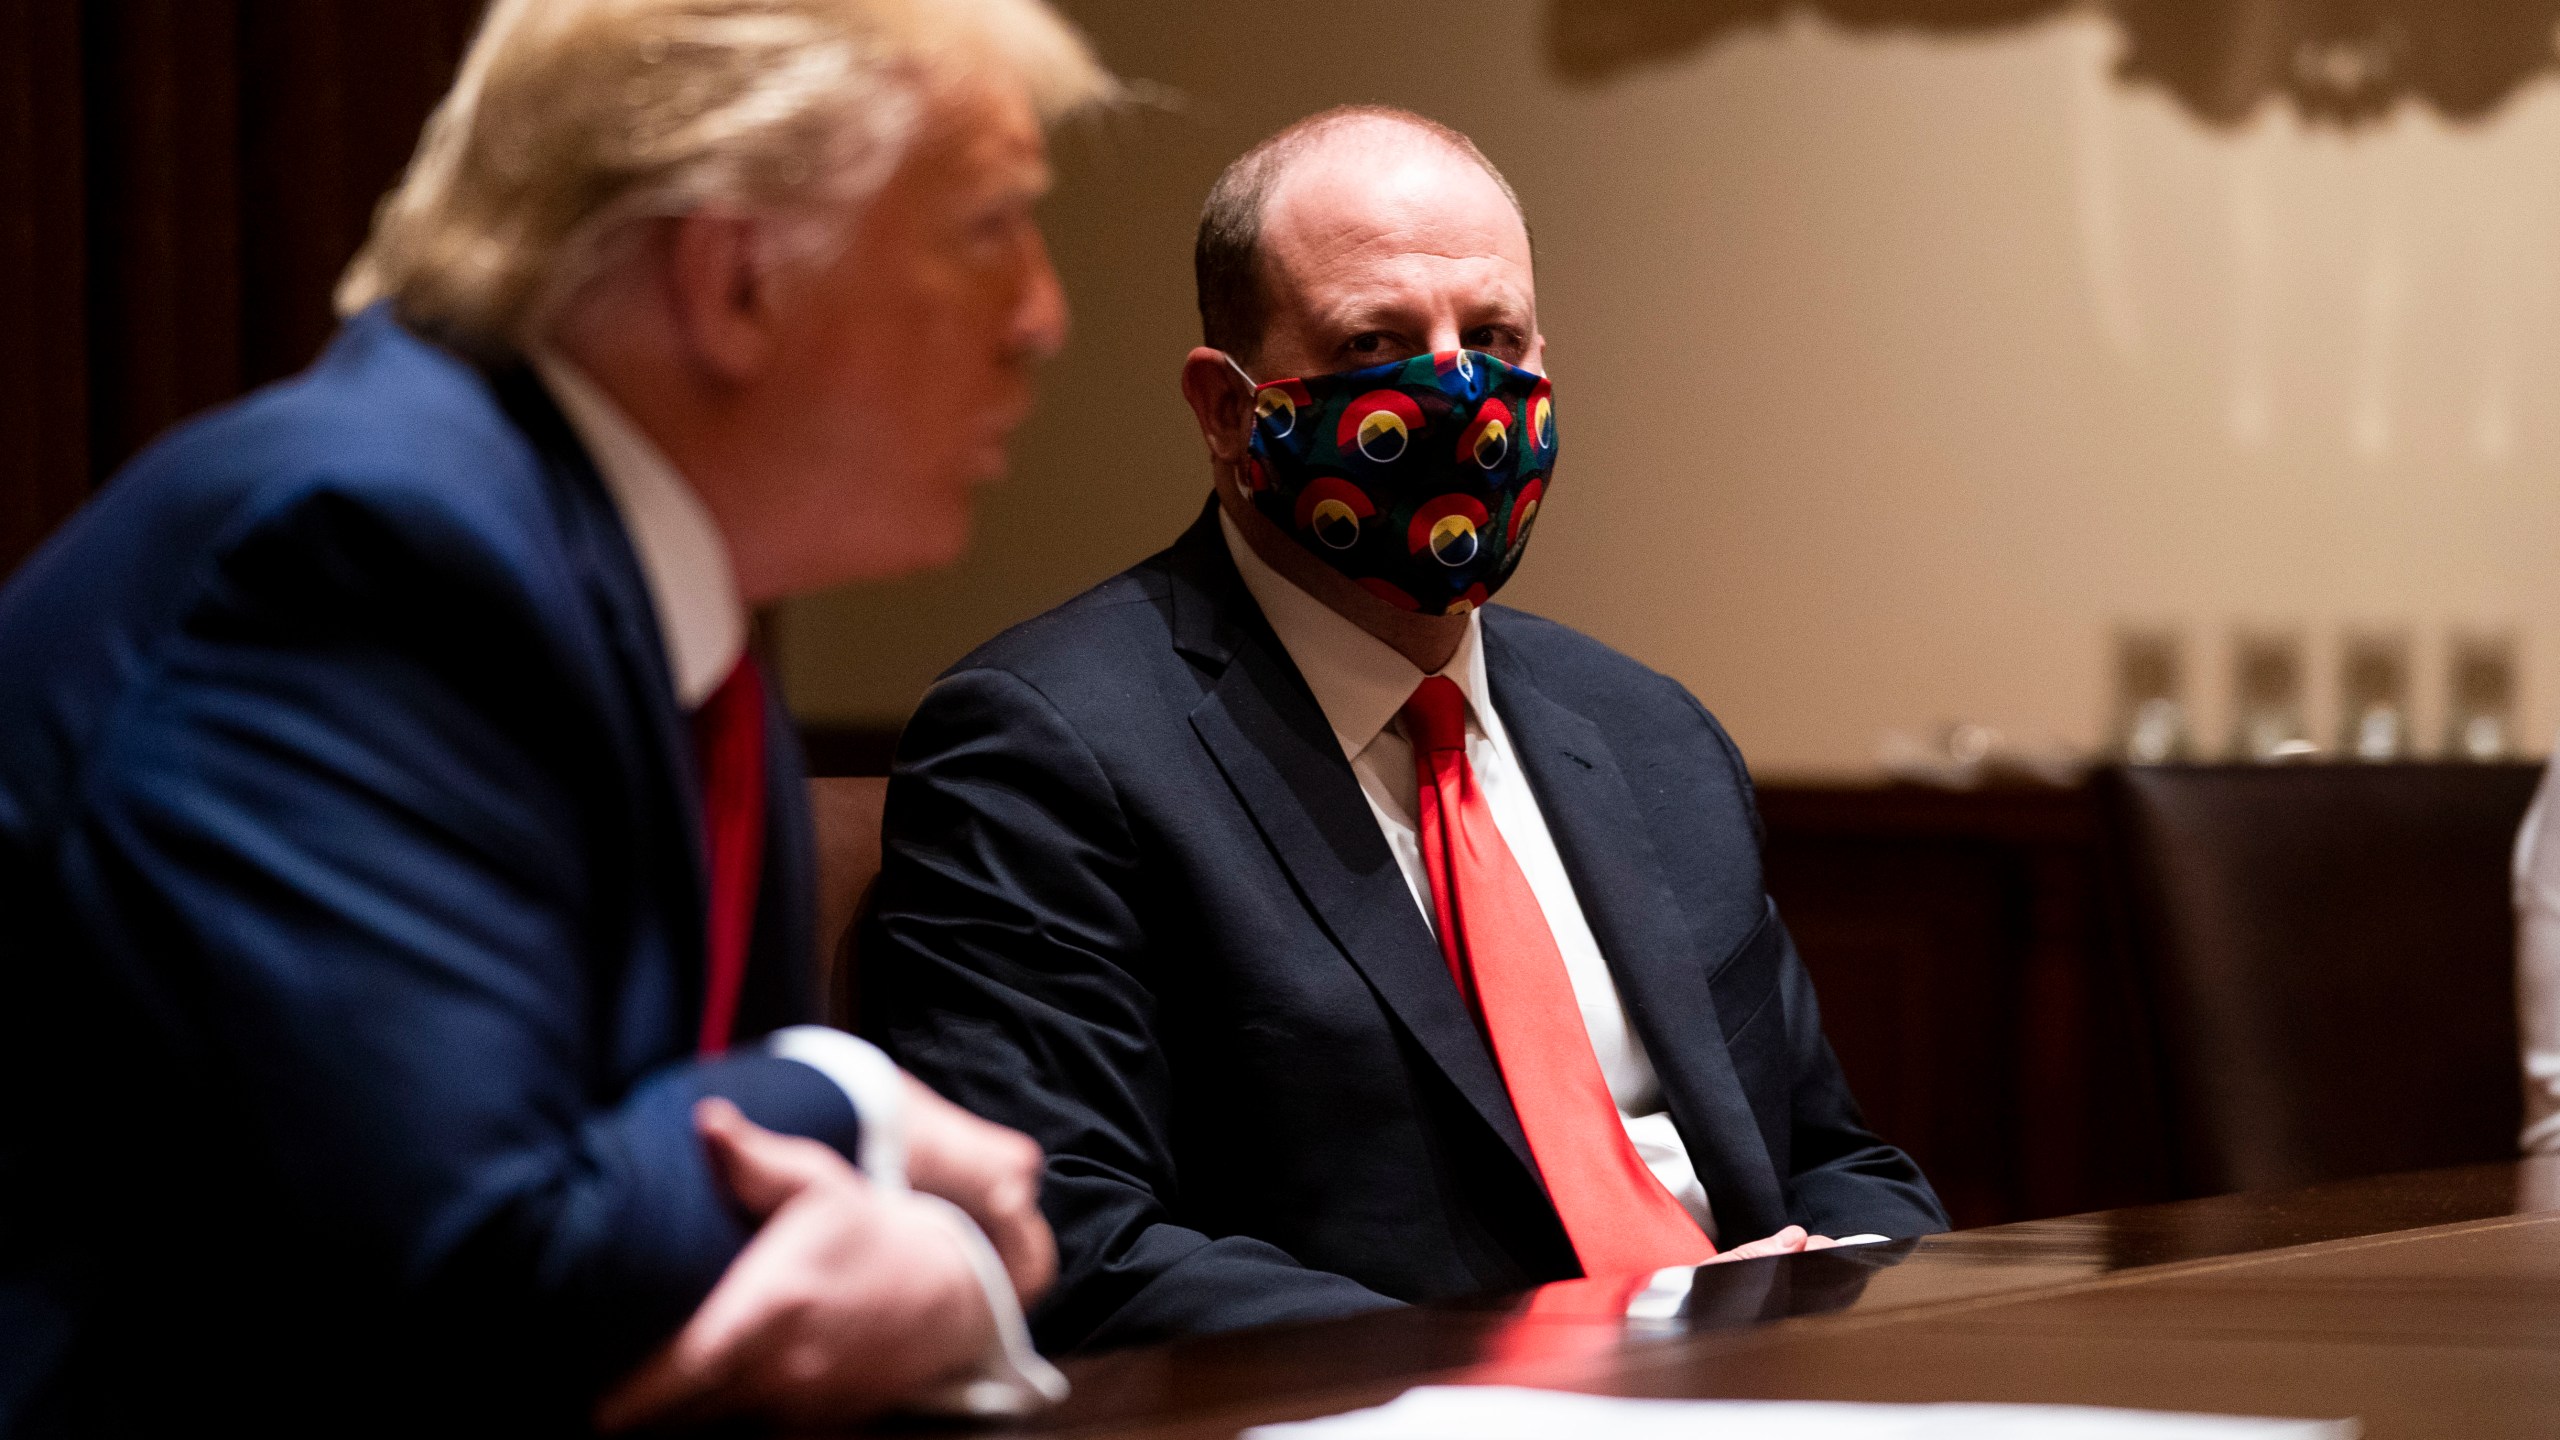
{"x": 701, "y": 619}
{"x": 2537, "y": 896}
{"x": 702, "y": 622}
{"x": 1362, "y": 684}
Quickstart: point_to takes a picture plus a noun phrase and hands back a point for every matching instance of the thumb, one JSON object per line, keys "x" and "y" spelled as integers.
{"x": 1786, "y": 1242}
{"x": 759, "y": 1168}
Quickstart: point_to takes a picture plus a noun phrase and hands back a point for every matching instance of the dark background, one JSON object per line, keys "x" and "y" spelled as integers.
{"x": 180, "y": 183}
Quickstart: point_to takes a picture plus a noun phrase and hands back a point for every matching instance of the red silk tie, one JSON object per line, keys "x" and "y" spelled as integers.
{"x": 1505, "y": 961}
{"x": 728, "y": 748}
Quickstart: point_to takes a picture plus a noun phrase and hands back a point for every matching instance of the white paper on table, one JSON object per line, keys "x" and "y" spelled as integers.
{"x": 1506, "y": 1412}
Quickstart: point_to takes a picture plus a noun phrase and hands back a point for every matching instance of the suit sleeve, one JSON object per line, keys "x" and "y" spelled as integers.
{"x": 1844, "y": 1180}
{"x": 1008, "y": 964}
{"x": 341, "y": 851}
{"x": 1841, "y": 1178}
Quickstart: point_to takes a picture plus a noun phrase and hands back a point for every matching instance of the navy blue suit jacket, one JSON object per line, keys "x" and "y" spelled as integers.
{"x": 1135, "y": 904}
{"x": 351, "y": 895}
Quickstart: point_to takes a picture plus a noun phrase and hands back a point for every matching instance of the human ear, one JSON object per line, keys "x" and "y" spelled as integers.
{"x": 719, "y": 293}
{"x": 1221, "y": 401}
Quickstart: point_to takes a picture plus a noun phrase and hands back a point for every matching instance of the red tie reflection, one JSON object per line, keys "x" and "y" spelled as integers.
{"x": 1567, "y": 1322}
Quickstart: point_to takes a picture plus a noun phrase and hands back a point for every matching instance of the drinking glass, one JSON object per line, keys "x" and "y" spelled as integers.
{"x": 2480, "y": 708}
{"x": 2150, "y": 725}
{"x": 2373, "y": 695}
{"x": 2266, "y": 690}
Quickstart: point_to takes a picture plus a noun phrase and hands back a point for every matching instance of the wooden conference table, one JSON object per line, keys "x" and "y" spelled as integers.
{"x": 2426, "y": 1305}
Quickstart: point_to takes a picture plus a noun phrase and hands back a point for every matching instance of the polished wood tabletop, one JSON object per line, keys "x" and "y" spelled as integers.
{"x": 2423, "y": 1305}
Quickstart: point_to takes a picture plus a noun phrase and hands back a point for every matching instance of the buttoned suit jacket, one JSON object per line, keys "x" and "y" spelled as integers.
{"x": 1134, "y": 903}
{"x": 353, "y": 899}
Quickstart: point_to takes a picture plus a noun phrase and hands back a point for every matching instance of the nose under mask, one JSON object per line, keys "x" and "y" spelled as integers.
{"x": 1419, "y": 479}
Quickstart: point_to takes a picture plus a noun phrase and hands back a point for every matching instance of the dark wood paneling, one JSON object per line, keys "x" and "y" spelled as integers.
{"x": 164, "y": 234}
{"x": 181, "y": 183}
{"x": 1962, "y": 946}
{"x": 44, "y": 439}
{"x": 317, "y": 154}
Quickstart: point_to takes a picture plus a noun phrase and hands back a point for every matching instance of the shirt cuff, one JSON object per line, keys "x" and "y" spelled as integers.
{"x": 871, "y": 1082}
{"x": 1011, "y": 1378}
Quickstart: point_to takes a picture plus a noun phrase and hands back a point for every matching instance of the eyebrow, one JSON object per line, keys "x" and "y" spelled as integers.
{"x": 1362, "y": 315}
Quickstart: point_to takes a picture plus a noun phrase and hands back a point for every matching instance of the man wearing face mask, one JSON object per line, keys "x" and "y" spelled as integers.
{"x": 1344, "y": 939}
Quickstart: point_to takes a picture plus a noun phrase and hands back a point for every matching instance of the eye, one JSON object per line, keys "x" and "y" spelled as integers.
{"x": 1499, "y": 340}
{"x": 994, "y": 231}
{"x": 1374, "y": 347}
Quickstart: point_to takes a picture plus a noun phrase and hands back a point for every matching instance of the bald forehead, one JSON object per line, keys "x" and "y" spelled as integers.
{"x": 1368, "y": 183}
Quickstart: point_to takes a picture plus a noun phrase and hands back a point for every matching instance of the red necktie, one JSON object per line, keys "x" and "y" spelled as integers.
{"x": 1505, "y": 961}
{"x": 728, "y": 748}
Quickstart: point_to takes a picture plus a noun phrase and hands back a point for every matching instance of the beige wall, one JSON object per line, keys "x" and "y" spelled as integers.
{"x": 1891, "y": 372}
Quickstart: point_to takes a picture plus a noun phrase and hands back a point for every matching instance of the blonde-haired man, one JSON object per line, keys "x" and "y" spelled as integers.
{"x": 407, "y": 870}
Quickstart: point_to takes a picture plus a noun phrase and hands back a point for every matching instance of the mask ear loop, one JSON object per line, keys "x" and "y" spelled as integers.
{"x": 1252, "y": 386}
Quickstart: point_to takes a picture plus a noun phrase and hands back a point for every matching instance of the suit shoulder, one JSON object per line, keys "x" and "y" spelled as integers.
{"x": 1107, "y": 624}
{"x": 1638, "y": 707}
{"x": 1564, "y": 658}
{"x": 1609, "y": 682}
{"x": 385, "y": 484}
{"x": 382, "y": 425}
{"x": 383, "y": 416}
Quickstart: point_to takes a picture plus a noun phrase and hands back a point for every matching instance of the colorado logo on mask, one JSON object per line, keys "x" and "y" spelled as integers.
{"x": 1278, "y": 405}
{"x": 1417, "y": 479}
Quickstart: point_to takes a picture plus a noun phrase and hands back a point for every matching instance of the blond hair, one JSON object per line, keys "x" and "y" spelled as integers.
{"x": 572, "y": 118}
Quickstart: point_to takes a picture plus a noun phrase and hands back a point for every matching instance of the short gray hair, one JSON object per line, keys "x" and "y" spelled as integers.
{"x": 572, "y": 118}
{"x": 1226, "y": 255}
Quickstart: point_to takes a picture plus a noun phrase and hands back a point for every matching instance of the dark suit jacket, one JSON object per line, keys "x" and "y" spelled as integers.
{"x": 1134, "y": 903}
{"x": 351, "y": 896}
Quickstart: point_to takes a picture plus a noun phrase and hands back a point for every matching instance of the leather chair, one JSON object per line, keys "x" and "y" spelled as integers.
{"x": 845, "y": 811}
{"x": 2330, "y": 953}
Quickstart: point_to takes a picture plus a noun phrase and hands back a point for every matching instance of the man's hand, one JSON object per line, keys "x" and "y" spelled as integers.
{"x": 990, "y": 1172}
{"x": 1786, "y": 1242}
{"x": 849, "y": 1300}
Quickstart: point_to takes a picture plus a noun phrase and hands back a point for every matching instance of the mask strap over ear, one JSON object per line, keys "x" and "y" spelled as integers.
{"x": 1252, "y": 386}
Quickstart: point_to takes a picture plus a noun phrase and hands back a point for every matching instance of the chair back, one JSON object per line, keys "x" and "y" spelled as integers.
{"x": 2330, "y": 954}
{"x": 845, "y": 810}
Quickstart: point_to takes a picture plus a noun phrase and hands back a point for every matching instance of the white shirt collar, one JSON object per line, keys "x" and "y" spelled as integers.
{"x": 1360, "y": 681}
{"x": 701, "y": 619}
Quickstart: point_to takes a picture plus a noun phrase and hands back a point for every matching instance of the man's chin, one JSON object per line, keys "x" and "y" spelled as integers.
{"x": 933, "y": 541}
{"x": 990, "y": 462}
{"x": 891, "y": 545}
{"x": 954, "y": 541}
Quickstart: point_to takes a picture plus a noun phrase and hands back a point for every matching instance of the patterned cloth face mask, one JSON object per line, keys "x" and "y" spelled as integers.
{"x": 1418, "y": 479}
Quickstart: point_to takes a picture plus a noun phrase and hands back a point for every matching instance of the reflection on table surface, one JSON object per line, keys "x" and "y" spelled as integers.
{"x": 1215, "y": 1385}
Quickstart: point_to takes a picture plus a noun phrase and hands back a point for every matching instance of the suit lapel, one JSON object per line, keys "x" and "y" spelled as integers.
{"x": 1271, "y": 741}
{"x": 1653, "y": 954}
{"x": 678, "y": 882}
{"x": 613, "y": 573}
{"x": 783, "y": 965}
